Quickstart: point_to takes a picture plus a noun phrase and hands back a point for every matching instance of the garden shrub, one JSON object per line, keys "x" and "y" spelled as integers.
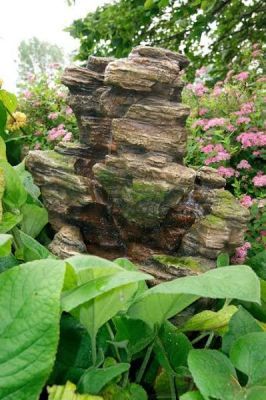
{"x": 227, "y": 132}
{"x": 43, "y": 99}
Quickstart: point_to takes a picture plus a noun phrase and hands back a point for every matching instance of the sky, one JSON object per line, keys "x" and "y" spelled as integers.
{"x": 45, "y": 19}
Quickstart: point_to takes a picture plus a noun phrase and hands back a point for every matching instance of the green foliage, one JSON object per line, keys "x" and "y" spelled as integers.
{"x": 30, "y": 314}
{"x": 227, "y": 132}
{"x": 96, "y": 291}
{"x": 36, "y": 56}
{"x": 114, "y": 29}
{"x": 43, "y": 99}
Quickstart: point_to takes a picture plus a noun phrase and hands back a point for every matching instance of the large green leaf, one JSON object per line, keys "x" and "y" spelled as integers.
{"x": 5, "y": 245}
{"x": 9, "y": 221}
{"x": 213, "y": 374}
{"x": 29, "y": 327}
{"x": 248, "y": 354}
{"x": 30, "y": 249}
{"x": 167, "y": 299}
{"x": 240, "y": 324}
{"x": 208, "y": 320}
{"x": 15, "y": 194}
{"x": 128, "y": 329}
{"x": 27, "y": 181}
{"x": 9, "y": 100}
{"x": 67, "y": 392}
{"x": 95, "y": 379}
{"x": 34, "y": 219}
{"x": 171, "y": 348}
{"x": 104, "y": 289}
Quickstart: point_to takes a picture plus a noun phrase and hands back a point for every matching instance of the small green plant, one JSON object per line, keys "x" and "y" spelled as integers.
{"x": 43, "y": 99}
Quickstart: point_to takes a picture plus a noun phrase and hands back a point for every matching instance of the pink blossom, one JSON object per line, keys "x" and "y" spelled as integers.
{"x": 201, "y": 71}
{"x": 246, "y": 108}
{"x": 27, "y": 94}
{"x": 200, "y": 122}
{"x": 56, "y": 133}
{"x": 246, "y": 201}
{"x": 53, "y": 115}
{"x": 226, "y": 172}
{"x": 255, "y": 46}
{"x": 244, "y": 164}
{"x": 208, "y": 148}
{"x": 37, "y": 133}
{"x": 256, "y": 53}
{"x": 214, "y": 122}
{"x": 69, "y": 110}
{"x": 67, "y": 137}
{"x": 217, "y": 91}
{"x": 200, "y": 89}
{"x": 256, "y": 153}
{"x": 263, "y": 233}
{"x": 241, "y": 253}
{"x": 242, "y": 76}
{"x": 230, "y": 128}
{"x": 190, "y": 86}
{"x": 203, "y": 111}
{"x": 250, "y": 139}
{"x": 61, "y": 95}
{"x": 243, "y": 120}
{"x": 259, "y": 180}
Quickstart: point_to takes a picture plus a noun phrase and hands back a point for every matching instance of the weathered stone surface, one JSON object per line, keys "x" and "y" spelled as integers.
{"x": 144, "y": 188}
{"x": 145, "y": 71}
{"x": 124, "y": 189}
{"x": 207, "y": 176}
{"x": 67, "y": 242}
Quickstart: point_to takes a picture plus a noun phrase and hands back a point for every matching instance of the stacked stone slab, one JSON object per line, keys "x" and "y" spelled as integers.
{"x": 124, "y": 186}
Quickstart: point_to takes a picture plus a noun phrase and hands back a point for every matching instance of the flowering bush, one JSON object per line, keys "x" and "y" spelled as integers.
{"x": 50, "y": 119}
{"x": 227, "y": 130}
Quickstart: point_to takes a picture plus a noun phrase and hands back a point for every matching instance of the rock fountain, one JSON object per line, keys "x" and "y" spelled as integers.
{"x": 123, "y": 190}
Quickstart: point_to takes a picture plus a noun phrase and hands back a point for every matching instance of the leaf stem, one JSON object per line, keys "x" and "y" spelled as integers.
{"x": 172, "y": 387}
{"x": 144, "y": 363}
{"x": 93, "y": 349}
{"x": 112, "y": 336}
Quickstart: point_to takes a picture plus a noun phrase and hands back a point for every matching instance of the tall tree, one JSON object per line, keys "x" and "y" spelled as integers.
{"x": 35, "y": 56}
{"x": 207, "y": 31}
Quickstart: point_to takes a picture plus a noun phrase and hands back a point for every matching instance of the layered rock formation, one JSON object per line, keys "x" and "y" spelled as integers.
{"x": 124, "y": 185}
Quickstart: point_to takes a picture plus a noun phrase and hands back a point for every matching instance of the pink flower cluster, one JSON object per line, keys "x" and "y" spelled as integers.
{"x": 246, "y": 108}
{"x": 226, "y": 172}
{"x": 241, "y": 253}
{"x": 211, "y": 123}
{"x": 203, "y": 111}
{"x": 259, "y": 180}
{"x": 243, "y": 120}
{"x": 244, "y": 164}
{"x": 242, "y": 76}
{"x": 251, "y": 139}
{"x": 198, "y": 88}
{"x": 246, "y": 201}
{"x": 218, "y": 151}
{"x": 59, "y": 133}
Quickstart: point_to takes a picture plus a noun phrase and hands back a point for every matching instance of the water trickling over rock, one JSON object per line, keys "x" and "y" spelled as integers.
{"x": 124, "y": 186}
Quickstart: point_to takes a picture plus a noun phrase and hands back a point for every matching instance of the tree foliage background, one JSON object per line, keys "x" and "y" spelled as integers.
{"x": 208, "y": 31}
{"x": 35, "y": 56}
